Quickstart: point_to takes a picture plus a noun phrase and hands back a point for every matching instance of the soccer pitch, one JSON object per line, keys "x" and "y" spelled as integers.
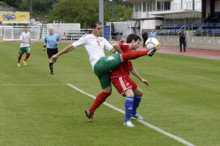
{"x": 37, "y": 108}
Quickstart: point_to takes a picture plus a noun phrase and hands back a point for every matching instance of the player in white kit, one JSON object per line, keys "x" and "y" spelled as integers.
{"x": 24, "y": 46}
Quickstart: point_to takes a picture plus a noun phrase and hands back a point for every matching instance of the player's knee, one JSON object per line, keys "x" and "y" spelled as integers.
{"x": 129, "y": 93}
{"x": 108, "y": 90}
{"x": 138, "y": 92}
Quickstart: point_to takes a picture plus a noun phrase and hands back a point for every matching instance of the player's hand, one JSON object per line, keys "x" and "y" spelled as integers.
{"x": 43, "y": 48}
{"x": 122, "y": 40}
{"x": 145, "y": 82}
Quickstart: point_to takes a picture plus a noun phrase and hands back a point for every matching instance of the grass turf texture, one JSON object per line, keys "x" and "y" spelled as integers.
{"x": 183, "y": 99}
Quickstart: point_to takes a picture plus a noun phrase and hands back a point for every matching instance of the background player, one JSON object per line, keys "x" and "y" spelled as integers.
{"x": 125, "y": 85}
{"x": 51, "y": 40}
{"x": 24, "y": 46}
{"x": 101, "y": 64}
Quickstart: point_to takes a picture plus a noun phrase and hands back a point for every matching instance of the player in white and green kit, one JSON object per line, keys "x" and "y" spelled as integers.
{"x": 24, "y": 46}
{"x": 101, "y": 64}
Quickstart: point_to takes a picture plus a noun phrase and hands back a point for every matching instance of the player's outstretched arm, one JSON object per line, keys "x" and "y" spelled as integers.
{"x": 135, "y": 73}
{"x": 65, "y": 50}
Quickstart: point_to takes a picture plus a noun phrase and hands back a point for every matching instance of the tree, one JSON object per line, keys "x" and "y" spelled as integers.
{"x": 13, "y": 3}
{"x": 80, "y": 11}
{"x": 86, "y": 11}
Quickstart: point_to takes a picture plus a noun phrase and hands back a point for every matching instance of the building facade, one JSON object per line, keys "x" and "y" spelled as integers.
{"x": 148, "y": 14}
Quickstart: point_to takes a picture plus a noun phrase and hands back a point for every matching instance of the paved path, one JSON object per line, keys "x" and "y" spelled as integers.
{"x": 202, "y": 53}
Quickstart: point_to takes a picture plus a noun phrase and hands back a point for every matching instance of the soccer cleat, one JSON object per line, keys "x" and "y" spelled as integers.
{"x": 25, "y": 63}
{"x": 152, "y": 51}
{"x": 18, "y": 64}
{"x": 89, "y": 115}
{"x": 157, "y": 47}
{"x": 136, "y": 116}
{"x": 129, "y": 124}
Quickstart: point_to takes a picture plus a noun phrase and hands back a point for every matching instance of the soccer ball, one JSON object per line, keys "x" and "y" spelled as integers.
{"x": 152, "y": 43}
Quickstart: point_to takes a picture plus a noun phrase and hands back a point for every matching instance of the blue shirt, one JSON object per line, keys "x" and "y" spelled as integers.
{"x": 52, "y": 40}
{"x": 153, "y": 34}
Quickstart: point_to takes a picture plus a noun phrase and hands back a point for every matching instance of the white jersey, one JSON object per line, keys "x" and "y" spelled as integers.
{"x": 25, "y": 37}
{"x": 94, "y": 46}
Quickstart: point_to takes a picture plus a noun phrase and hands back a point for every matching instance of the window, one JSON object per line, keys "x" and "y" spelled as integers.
{"x": 159, "y": 6}
{"x": 148, "y": 7}
{"x": 138, "y": 7}
{"x": 163, "y": 5}
{"x": 153, "y": 6}
{"x": 166, "y": 6}
{"x": 144, "y": 7}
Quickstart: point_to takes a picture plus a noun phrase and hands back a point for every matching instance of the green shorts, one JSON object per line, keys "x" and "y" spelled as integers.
{"x": 104, "y": 66}
{"x": 24, "y": 50}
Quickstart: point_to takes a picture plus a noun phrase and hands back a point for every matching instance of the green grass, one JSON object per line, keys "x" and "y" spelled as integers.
{"x": 183, "y": 99}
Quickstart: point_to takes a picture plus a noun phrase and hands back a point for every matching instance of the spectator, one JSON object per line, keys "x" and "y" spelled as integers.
{"x": 182, "y": 39}
{"x": 208, "y": 19}
{"x": 145, "y": 37}
{"x": 215, "y": 19}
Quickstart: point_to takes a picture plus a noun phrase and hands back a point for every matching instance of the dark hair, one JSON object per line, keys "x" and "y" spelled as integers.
{"x": 95, "y": 23}
{"x": 25, "y": 26}
{"x": 132, "y": 37}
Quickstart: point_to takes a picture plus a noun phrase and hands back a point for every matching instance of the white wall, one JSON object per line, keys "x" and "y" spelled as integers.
{"x": 60, "y": 28}
{"x": 207, "y": 7}
{"x": 150, "y": 24}
{"x": 187, "y": 4}
{"x": 217, "y": 6}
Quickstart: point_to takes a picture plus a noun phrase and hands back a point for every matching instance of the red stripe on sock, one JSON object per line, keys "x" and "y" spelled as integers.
{"x": 19, "y": 58}
{"x": 27, "y": 56}
{"x": 98, "y": 101}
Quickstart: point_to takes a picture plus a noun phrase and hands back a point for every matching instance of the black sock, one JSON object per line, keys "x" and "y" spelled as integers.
{"x": 51, "y": 67}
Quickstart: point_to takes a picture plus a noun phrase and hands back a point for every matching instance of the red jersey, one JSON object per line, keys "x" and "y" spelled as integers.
{"x": 124, "y": 68}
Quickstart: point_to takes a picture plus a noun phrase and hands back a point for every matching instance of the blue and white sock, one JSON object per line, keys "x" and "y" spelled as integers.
{"x": 137, "y": 100}
{"x": 128, "y": 108}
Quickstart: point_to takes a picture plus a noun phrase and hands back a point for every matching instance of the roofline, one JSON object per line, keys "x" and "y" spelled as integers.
{"x": 173, "y": 12}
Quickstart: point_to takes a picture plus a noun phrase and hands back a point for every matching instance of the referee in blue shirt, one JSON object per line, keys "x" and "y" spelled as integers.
{"x": 153, "y": 34}
{"x": 51, "y": 41}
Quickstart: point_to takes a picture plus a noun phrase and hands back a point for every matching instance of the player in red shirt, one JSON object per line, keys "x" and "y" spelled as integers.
{"x": 125, "y": 85}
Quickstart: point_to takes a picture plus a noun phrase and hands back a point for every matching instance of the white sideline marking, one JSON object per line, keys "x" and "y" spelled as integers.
{"x": 183, "y": 141}
{"x": 32, "y": 84}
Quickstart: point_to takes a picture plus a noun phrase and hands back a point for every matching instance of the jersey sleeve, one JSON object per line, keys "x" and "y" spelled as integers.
{"x": 21, "y": 36}
{"x": 45, "y": 39}
{"x": 58, "y": 38}
{"x": 108, "y": 46}
{"x": 80, "y": 42}
{"x": 29, "y": 35}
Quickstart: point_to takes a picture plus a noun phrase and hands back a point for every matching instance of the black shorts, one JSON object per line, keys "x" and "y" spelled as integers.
{"x": 51, "y": 52}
